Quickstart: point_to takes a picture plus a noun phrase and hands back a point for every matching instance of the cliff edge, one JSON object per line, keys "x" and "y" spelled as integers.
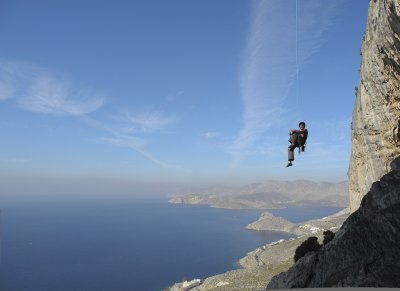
{"x": 376, "y": 114}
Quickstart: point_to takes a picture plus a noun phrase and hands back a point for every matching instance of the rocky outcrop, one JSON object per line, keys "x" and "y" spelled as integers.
{"x": 269, "y": 222}
{"x": 365, "y": 251}
{"x": 376, "y": 114}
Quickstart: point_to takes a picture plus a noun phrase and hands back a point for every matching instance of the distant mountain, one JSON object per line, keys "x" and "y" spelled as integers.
{"x": 267, "y": 195}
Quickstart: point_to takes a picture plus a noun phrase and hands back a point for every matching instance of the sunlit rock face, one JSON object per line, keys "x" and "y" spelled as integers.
{"x": 376, "y": 114}
{"x": 365, "y": 251}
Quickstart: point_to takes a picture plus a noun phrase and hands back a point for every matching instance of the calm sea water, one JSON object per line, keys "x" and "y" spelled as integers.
{"x": 124, "y": 243}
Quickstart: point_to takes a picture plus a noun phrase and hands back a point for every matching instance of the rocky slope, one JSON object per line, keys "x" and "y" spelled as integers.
{"x": 376, "y": 113}
{"x": 260, "y": 265}
{"x": 365, "y": 251}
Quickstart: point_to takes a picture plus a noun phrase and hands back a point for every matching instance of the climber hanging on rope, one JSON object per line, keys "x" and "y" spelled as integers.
{"x": 297, "y": 140}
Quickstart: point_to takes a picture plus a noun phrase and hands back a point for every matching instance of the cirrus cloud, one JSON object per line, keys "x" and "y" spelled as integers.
{"x": 271, "y": 61}
{"x": 35, "y": 89}
{"x": 146, "y": 122}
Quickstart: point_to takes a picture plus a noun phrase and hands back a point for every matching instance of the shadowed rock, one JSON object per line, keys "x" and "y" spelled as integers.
{"x": 365, "y": 251}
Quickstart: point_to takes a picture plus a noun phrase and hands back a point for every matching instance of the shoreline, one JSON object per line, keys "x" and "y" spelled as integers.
{"x": 258, "y": 267}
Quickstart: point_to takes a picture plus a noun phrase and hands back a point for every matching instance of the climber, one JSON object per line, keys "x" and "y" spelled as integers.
{"x": 297, "y": 139}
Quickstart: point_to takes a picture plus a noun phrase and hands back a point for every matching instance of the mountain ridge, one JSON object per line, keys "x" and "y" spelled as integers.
{"x": 267, "y": 195}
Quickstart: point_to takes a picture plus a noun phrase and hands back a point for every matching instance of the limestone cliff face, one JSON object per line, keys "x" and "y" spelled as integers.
{"x": 376, "y": 113}
{"x": 365, "y": 251}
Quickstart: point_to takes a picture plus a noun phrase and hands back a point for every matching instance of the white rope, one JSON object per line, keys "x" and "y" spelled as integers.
{"x": 297, "y": 60}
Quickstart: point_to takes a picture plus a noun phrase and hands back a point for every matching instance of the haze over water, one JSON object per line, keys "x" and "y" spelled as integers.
{"x": 121, "y": 243}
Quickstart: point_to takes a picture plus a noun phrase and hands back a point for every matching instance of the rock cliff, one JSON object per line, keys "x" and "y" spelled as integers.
{"x": 376, "y": 114}
{"x": 365, "y": 251}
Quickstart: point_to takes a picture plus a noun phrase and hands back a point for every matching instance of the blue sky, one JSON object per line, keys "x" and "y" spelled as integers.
{"x": 177, "y": 91}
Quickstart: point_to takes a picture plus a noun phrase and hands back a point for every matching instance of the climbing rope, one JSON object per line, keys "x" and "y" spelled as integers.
{"x": 297, "y": 60}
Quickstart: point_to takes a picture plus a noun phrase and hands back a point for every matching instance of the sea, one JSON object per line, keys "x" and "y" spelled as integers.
{"x": 124, "y": 243}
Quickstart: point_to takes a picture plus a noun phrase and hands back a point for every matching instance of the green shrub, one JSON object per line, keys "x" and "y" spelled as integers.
{"x": 310, "y": 245}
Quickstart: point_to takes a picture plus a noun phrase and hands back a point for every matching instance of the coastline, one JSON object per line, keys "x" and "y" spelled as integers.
{"x": 258, "y": 267}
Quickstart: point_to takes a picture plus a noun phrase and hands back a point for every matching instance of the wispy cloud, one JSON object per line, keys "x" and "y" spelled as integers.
{"x": 131, "y": 131}
{"x": 6, "y": 89}
{"x": 137, "y": 144}
{"x": 36, "y": 89}
{"x": 144, "y": 122}
{"x": 211, "y": 134}
{"x": 269, "y": 62}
